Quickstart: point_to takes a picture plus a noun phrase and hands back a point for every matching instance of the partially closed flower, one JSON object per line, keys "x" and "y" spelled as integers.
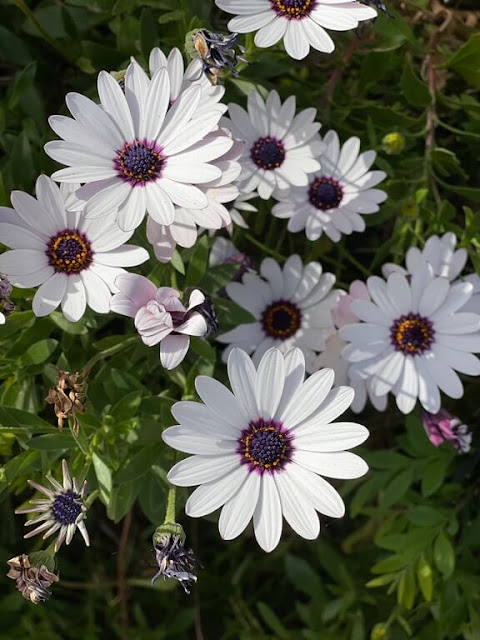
{"x": 160, "y": 317}
{"x": 443, "y": 427}
{"x": 32, "y": 580}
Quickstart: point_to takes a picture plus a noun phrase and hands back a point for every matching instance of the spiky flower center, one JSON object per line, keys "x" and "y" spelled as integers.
{"x": 412, "y": 334}
{"x": 139, "y": 162}
{"x": 325, "y": 193}
{"x": 281, "y": 319}
{"x": 67, "y": 507}
{"x": 268, "y": 153}
{"x": 69, "y": 251}
{"x": 265, "y": 446}
{"x": 295, "y": 9}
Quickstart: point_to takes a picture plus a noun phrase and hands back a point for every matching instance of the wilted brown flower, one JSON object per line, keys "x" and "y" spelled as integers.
{"x": 68, "y": 396}
{"x": 32, "y": 581}
{"x": 174, "y": 560}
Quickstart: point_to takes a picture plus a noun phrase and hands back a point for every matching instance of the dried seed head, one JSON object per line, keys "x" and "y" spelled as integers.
{"x": 32, "y": 581}
{"x": 68, "y": 397}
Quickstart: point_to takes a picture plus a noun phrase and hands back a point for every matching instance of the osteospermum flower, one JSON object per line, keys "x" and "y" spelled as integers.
{"x": 413, "y": 339}
{"x": 160, "y": 317}
{"x": 75, "y": 261}
{"x": 335, "y": 197}
{"x": 291, "y": 306}
{"x": 135, "y": 153}
{"x": 301, "y": 23}
{"x": 261, "y": 451}
{"x": 331, "y": 355}
{"x": 279, "y": 146}
{"x": 63, "y": 510}
{"x": 32, "y": 580}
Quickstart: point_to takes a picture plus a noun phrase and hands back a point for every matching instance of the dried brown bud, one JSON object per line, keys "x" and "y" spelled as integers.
{"x": 68, "y": 397}
{"x": 32, "y": 582}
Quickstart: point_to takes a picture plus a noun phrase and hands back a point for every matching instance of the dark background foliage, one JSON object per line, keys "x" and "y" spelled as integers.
{"x": 405, "y": 561}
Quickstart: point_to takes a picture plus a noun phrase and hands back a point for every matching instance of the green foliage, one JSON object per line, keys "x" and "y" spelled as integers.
{"x": 405, "y": 562}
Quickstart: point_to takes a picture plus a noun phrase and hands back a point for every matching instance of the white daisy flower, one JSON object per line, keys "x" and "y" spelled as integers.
{"x": 75, "y": 261}
{"x": 301, "y": 23}
{"x": 291, "y": 306}
{"x": 413, "y": 339}
{"x": 331, "y": 356}
{"x": 134, "y": 153}
{"x": 188, "y": 222}
{"x": 160, "y": 317}
{"x": 63, "y": 511}
{"x": 335, "y": 197}
{"x": 474, "y": 303}
{"x": 439, "y": 252}
{"x": 279, "y": 146}
{"x": 261, "y": 451}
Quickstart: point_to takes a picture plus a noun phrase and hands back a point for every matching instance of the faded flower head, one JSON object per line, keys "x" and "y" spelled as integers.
{"x": 174, "y": 560}
{"x": 217, "y": 52}
{"x": 63, "y": 510}
{"x": 443, "y": 427}
{"x": 32, "y": 580}
{"x": 68, "y": 397}
{"x": 160, "y": 317}
{"x": 8, "y": 306}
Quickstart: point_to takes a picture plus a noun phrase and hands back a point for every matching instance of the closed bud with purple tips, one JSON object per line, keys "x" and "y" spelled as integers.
{"x": 443, "y": 427}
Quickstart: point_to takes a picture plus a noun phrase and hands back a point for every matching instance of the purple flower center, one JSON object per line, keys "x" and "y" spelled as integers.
{"x": 66, "y": 508}
{"x": 325, "y": 193}
{"x": 268, "y": 153}
{"x": 139, "y": 162}
{"x": 69, "y": 251}
{"x": 281, "y": 319}
{"x": 265, "y": 446}
{"x": 412, "y": 334}
{"x": 295, "y": 9}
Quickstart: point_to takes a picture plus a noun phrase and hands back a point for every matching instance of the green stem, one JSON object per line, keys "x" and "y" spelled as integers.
{"x": 171, "y": 499}
{"x": 262, "y": 246}
{"x": 118, "y": 348}
{"x": 31, "y": 16}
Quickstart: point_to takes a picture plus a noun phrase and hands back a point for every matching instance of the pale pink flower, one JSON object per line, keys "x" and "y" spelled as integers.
{"x": 160, "y": 317}
{"x": 342, "y": 314}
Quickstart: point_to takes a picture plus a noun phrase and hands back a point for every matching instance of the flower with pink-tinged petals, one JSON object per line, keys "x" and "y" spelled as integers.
{"x": 443, "y": 427}
{"x": 160, "y": 317}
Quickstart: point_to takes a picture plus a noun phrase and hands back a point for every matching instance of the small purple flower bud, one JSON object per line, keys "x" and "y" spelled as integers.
{"x": 443, "y": 427}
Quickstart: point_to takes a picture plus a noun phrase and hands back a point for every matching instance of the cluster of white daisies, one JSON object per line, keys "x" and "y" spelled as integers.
{"x": 158, "y": 145}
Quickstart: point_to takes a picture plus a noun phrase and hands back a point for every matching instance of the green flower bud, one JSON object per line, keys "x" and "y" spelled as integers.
{"x": 393, "y": 143}
{"x": 379, "y": 632}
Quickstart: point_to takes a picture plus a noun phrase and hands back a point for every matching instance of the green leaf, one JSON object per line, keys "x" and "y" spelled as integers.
{"x": 433, "y": 476}
{"x": 466, "y": 61}
{"x": 54, "y": 442}
{"x": 397, "y": 488}
{"x": 406, "y": 589}
{"x": 415, "y": 91}
{"x": 444, "y": 555}
{"x": 139, "y": 464}
{"x": 22, "y": 82}
{"x": 104, "y": 477}
{"x": 425, "y": 578}
{"x": 40, "y": 351}
{"x": 272, "y": 621}
{"x": 171, "y": 16}
{"x": 122, "y": 499}
{"x": 302, "y": 576}
{"x": 198, "y": 262}
{"x": 127, "y": 407}
{"x": 423, "y": 516}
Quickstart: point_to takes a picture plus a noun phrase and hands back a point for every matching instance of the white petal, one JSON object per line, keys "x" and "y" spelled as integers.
{"x": 212, "y": 495}
{"x": 267, "y": 517}
{"x": 309, "y": 397}
{"x": 75, "y": 300}
{"x": 221, "y": 401}
{"x": 269, "y": 383}
{"x": 296, "y": 508}
{"x": 337, "y": 436}
{"x": 242, "y": 375}
{"x": 197, "y": 441}
{"x": 340, "y": 464}
{"x": 200, "y": 469}
{"x": 318, "y": 492}
{"x": 238, "y": 511}
{"x": 49, "y": 295}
